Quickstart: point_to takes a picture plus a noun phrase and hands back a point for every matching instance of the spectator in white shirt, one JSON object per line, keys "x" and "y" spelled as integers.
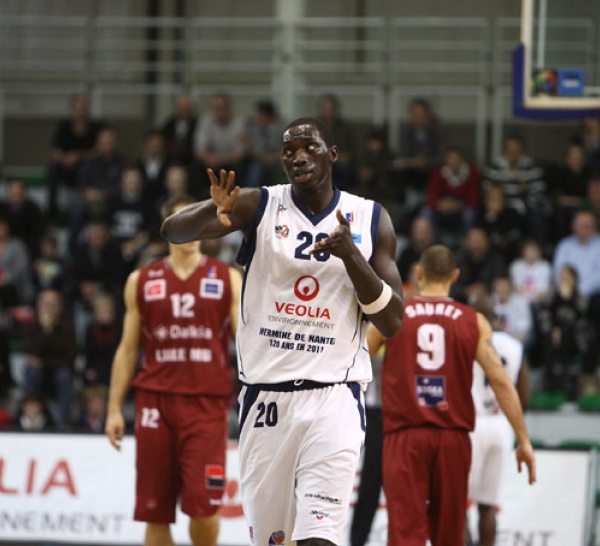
{"x": 512, "y": 309}
{"x": 531, "y": 274}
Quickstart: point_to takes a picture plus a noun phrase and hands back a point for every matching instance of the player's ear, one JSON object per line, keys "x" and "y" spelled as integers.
{"x": 419, "y": 273}
{"x": 334, "y": 153}
{"x": 455, "y": 275}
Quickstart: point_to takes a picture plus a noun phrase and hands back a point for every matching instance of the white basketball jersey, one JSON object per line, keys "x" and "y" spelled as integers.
{"x": 511, "y": 352}
{"x": 299, "y": 314}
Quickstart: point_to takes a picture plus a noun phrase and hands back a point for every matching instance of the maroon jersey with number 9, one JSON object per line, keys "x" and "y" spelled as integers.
{"x": 428, "y": 368}
{"x": 185, "y": 329}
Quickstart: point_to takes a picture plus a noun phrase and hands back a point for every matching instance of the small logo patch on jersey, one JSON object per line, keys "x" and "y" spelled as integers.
{"x": 156, "y": 273}
{"x": 161, "y": 332}
{"x": 282, "y": 231}
{"x": 306, "y": 288}
{"x": 211, "y": 289}
{"x": 215, "y": 476}
{"x": 356, "y": 237}
{"x": 155, "y": 290}
{"x": 319, "y": 514}
{"x": 212, "y": 272}
{"x": 350, "y": 216}
{"x": 281, "y": 208}
{"x": 277, "y": 538}
{"x": 431, "y": 391}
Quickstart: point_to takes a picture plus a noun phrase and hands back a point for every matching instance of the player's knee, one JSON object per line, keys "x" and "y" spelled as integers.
{"x": 315, "y": 542}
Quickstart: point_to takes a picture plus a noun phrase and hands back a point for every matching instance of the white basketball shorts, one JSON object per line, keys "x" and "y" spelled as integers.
{"x": 299, "y": 450}
{"x": 492, "y": 442}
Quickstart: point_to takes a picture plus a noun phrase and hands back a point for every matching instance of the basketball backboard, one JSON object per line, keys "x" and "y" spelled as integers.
{"x": 556, "y": 73}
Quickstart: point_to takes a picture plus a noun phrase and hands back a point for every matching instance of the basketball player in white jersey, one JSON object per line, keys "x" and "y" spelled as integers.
{"x": 317, "y": 262}
{"x": 493, "y": 439}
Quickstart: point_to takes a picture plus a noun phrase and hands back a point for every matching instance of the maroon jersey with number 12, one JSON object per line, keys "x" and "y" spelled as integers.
{"x": 185, "y": 329}
{"x": 428, "y": 368}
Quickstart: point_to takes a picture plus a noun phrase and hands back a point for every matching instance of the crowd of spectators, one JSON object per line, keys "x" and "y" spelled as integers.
{"x": 524, "y": 232}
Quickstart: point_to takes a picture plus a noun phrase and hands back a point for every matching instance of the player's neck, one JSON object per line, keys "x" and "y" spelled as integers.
{"x": 184, "y": 263}
{"x": 435, "y": 290}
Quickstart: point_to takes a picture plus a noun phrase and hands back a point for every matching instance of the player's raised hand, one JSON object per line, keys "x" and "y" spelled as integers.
{"x": 224, "y": 193}
{"x": 525, "y": 455}
{"x": 339, "y": 243}
{"x": 115, "y": 429}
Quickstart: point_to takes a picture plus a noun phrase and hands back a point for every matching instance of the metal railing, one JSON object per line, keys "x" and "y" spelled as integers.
{"x": 379, "y": 60}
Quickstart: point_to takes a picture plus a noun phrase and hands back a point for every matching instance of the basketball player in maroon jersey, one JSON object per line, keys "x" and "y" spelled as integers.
{"x": 428, "y": 410}
{"x": 180, "y": 311}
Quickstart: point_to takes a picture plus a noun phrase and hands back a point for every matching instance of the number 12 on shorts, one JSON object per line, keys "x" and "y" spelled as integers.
{"x": 150, "y": 417}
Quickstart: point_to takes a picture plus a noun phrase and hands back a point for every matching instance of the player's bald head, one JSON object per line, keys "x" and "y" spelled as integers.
{"x": 438, "y": 263}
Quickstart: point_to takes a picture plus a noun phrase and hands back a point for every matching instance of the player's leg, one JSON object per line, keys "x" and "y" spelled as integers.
{"x": 204, "y": 531}
{"x": 202, "y": 444}
{"x": 158, "y": 534}
{"x": 487, "y": 524}
{"x": 448, "y": 493}
{"x": 270, "y": 430}
{"x": 157, "y": 481}
{"x": 407, "y": 459}
{"x": 329, "y": 456}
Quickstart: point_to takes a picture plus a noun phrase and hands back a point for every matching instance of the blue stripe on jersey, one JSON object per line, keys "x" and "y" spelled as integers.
{"x": 355, "y": 389}
{"x": 374, "y": 228}
{"x": 248, "y": 246}
{"x": 316, "y": 218}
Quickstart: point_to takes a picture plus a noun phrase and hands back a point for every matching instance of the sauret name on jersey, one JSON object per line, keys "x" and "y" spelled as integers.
{"x": 432, "y": 309}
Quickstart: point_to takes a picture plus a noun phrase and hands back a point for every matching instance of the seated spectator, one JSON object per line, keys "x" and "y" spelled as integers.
{"x": 98, "y": 181}
{"x": 344, "y": 169}
{"x": 131, "y": 218}
{"x": 15, "y": 272}
{"x": 102, "y": 337}
{"x": 264, "y": 146}
{"x": 504, "y": 225}
{"x": 569, "y": 181}
{"x": 453, "y": 195}
{"x": 179, "y": 132}
{"x": 374, "y": 173}
{"x": 176, "y": 183}
{"x": 593, "y": 197}
{"x": 524, "y": 186}
{"x": 581, "y": 251}
{"x": 531, "y": 274}
{"x": 421, "y": 237}
{"x": 74, "y": 140}
{"x": 97, "y": 265}
{"x": 565, "y": 334}
{"x": 94, "y": 409}
{"x": 420, "y": 151}
{"x": 6, "y": 378}
{"x": 512, "y": 311}
{"x": 24, "y": 215}
{"x": 50, "y": 270}
{"x": 153, "y": 165}
{"x": 33, "y": 414}
{"x": 50, "y": 350}
{"x": 479, "y": 264}
{"x": 589, "y": 138}
{"x": 219, "y": 143}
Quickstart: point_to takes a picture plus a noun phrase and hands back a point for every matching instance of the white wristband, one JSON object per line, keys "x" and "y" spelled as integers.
{"x": 380, "y": 303}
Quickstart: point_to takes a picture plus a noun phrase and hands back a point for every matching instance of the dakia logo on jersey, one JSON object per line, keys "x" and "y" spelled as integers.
{"x": 306, "y": 288}
{"x": 282, "y": 231}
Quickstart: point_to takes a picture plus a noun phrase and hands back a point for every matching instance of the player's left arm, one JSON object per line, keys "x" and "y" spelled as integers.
{"x": 235, "y": 280}
{"x": 506, "y": 394}
{"x": 378, "y": 287}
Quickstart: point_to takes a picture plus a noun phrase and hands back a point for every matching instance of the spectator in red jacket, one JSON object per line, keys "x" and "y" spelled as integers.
{"x": 453, "y": 194}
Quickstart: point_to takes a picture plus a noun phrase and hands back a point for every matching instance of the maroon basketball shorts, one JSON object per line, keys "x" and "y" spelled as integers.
{"x": 425, "y": 474}
{"x": 180, "y": 454}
